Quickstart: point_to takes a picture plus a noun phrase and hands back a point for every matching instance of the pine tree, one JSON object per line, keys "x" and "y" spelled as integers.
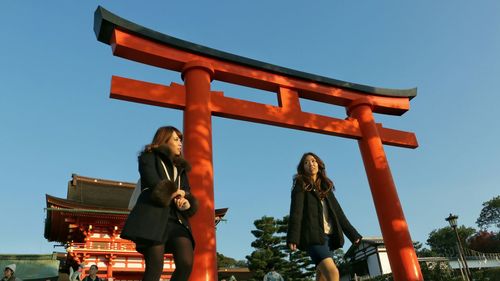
{"x": 268, "y": 248}
{"x": 299, "y": 266}
{"x": 271, "y": 251}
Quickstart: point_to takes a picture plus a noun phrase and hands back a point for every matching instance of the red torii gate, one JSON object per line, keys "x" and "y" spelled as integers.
{"x": 200, "y": 65}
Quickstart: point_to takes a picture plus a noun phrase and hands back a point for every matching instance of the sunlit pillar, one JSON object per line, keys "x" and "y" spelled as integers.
{"x": 402, "y": 256}
{"x": 197, "y": 76}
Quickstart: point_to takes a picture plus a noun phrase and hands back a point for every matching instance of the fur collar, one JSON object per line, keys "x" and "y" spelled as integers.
{"x": 178, "y": 161}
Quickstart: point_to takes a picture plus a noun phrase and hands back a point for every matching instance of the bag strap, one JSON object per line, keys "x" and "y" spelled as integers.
{"x": 175, "y": 174}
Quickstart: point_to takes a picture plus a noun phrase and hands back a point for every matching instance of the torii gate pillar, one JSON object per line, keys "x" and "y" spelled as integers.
{"x": 197, "y": 76}
{"x": 402, "y": 258}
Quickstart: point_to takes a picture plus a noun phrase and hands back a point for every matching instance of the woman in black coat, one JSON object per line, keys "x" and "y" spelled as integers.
{"x": 317, "y": 223}
{"x": 159, "y": 223}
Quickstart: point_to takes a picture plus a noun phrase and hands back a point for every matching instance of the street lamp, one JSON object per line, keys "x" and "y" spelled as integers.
{"x": 452, "y": 219}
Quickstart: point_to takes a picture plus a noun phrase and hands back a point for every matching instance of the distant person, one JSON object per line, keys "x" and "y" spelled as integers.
{"x": 312, "y": 198}
{"x": 272, "y": 275}
{"x": 76, "y": 275}
{"x": 92, "y": 274}
{"x": 9, "y": 273}
{"x": 158, "y": 223}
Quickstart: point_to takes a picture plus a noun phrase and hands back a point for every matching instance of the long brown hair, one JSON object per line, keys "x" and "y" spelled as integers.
{"x": 324, "y": 184}
{"x": 162, "y": 136}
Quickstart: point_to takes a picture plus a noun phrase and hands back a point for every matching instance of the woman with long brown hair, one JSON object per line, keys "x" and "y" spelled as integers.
{"x": 317, "y": 223}
{"x": 159, "y": 223}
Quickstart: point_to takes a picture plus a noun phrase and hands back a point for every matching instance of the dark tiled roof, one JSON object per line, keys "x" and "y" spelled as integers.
{"x": 100, "y": 192}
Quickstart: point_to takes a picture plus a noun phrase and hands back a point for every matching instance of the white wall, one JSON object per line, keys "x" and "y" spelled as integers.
{"x": 384, "y": 262}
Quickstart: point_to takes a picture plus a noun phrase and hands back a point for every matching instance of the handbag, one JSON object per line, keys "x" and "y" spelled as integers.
{"x": 135, "y": 195}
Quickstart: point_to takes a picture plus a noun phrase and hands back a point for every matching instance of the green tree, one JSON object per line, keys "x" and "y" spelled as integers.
{"x": 227, "y": 262}
{"x": 438, "y": 271}
{"x": 271, "y": 250}
{"x": 342, "y": 264}
{"x": 443, "y": 241}
{"x": 431, "y": 271}
{"x": 268, "y": 248}
{"x": 421, "y": 251}
{"x": 490, "y": 214}
{"x": 298, "y": 266}
{"x": 490, "y": 274}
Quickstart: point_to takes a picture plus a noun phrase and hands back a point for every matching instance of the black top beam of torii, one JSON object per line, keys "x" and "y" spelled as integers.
{"x": 105, "y": 22}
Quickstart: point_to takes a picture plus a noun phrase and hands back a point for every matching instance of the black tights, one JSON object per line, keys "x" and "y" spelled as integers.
{"x": 182, "y": 250}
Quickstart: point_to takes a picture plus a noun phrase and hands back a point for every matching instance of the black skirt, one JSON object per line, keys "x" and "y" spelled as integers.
{"x": 175, "y": 229}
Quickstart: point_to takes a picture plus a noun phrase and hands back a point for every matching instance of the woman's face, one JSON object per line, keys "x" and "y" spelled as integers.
{"x": 310, "y": 165}
{"x": 175, "y": 144}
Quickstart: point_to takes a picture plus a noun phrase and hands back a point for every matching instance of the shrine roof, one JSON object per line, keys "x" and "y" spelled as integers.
{"x": 105, "y": 22}
{"x": 92, "y": 200}
{"x": 74, "y": 206}
{"x": 89, "y": 199}
{"x": 77, "y": 207}
{"x": 99, "y": 192}
{"x": 63, "y": 212}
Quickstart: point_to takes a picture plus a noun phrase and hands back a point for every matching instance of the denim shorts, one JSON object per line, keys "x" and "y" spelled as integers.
{"x": 319, "y": 252}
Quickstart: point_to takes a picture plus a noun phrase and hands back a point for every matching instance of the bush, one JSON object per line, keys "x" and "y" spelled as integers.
{"x": 491, "y": 274}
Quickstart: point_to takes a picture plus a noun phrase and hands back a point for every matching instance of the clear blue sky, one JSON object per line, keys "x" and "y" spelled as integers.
{"x": 56, "y": 117}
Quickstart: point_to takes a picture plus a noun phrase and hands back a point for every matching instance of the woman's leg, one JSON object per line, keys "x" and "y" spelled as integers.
{"x": 329, "y": 270}
{"x": 153, "y": 256}
{"x": 182, "y": 250}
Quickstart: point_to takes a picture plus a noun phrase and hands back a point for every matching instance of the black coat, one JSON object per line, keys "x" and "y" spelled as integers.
{"x": 305, "y": 226}
{"x": 148, "y": 221}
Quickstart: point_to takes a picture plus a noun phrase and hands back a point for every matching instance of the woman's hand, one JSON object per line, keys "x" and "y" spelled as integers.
{"x": 292, "y": 246}
{"x": 182, "y": 203}
{"x": 178, "y": 194}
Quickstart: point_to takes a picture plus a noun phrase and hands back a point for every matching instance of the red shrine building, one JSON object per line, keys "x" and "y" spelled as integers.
{"x": 88, "y": 223}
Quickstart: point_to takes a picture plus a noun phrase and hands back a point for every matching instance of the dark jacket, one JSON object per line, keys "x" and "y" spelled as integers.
{"x": 305, "y": 226}
{"x": 148, "y": 221}
{"x": 12, "y": 278}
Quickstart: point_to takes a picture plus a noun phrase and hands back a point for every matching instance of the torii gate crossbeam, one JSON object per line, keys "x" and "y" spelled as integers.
{"x": 200, "y": 65}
